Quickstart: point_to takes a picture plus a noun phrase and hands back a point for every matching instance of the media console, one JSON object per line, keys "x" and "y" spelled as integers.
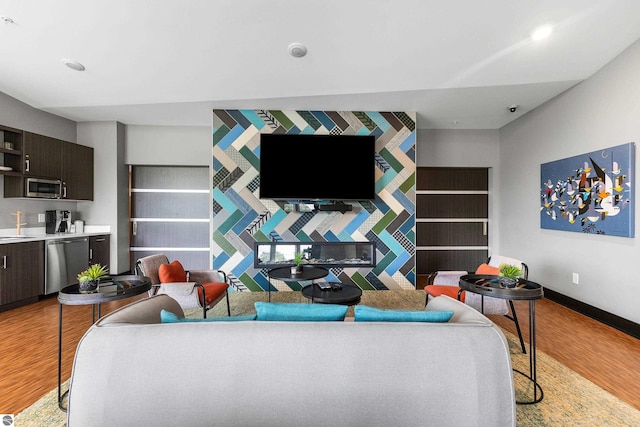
{"x": 332, "y": 207}
{"x": 322, "y": 254}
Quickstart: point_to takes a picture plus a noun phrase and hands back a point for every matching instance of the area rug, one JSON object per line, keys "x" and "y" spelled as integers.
{"x": 569, "y": 399}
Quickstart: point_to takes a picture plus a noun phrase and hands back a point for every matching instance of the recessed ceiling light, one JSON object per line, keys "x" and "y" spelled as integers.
{"x": 6, "y": 19}
{"x": 74, "y": 65}
{"x": 297, "y": 50}
{"x": 542, "y": 32}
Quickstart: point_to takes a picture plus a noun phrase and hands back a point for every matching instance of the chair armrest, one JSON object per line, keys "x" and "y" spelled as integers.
{"x": 448, "y": 278}
{"x": 207, "y": 276}
{"x": 176, "y": 288}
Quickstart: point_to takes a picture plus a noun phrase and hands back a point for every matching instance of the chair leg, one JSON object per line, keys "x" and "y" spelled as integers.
{"x": 427, "y": 300}
{"x": 228, "y": 306}
{"x": 203, "y": 303}
{"x": 514, "y": 317}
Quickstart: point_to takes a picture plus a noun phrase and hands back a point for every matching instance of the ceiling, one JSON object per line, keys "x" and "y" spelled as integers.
{"x": 459, "y": 63}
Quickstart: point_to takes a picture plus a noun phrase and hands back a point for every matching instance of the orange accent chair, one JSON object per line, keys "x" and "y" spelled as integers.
{"x": 447, "y": 283}
{"x": 190, "y": 288}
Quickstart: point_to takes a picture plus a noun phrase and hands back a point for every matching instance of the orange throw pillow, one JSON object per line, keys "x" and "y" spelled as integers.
{"x": 212, "y": 291}
{"x": 174, "y": 272}
{"x": 487, "y": 269}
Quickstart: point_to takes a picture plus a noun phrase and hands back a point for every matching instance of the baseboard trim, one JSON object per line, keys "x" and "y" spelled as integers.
{"x": 617, "y": 322}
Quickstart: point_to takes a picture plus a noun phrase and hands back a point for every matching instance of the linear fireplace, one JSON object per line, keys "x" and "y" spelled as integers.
{"x": 324, "y": 254}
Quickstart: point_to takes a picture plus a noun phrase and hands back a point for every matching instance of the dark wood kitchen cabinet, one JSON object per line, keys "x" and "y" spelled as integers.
{"x": 42, "y": 156}
{"x": 77, "y": 172}
{"x": 11, "y": 151}
{"x": 51, "y": 158}
{"x": 21, "y": 271}
{"x": 99, "y": 250}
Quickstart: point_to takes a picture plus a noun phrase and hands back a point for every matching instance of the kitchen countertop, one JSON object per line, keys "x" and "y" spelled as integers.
{"x": 6, "y": 238}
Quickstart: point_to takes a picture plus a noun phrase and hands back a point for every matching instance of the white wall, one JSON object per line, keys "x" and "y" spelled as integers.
{"x": 601, "y": 112}
{"x": 168, "y": 145}
{"x": 465, "y": 148}
{"x": 17, "y": 114}
{"x": 111, "y": 187}
{"x": 457, "y": 148}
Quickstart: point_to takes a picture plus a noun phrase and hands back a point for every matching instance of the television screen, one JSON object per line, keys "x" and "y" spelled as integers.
{"x": 317, "y": 167}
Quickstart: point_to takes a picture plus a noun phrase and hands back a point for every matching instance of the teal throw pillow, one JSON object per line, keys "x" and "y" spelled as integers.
{"x": 300, "y": 312}
{"x": 369, "y": 314}
{"x": 169, "y": 317}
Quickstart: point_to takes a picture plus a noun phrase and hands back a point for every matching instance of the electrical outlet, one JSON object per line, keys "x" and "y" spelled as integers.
{"x": 40, "y": 217}
{"x": 576, "y": 279}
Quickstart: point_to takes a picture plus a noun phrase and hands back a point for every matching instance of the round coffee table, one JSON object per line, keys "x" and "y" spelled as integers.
{"x": 308, "y": 273}
{"x": 347, "y": 294}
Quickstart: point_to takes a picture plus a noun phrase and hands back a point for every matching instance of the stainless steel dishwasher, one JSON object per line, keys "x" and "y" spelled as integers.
{"x": 66, "y": 258}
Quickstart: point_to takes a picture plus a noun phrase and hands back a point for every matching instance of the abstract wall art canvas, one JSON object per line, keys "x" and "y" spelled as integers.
{"x": 590, "y": 193}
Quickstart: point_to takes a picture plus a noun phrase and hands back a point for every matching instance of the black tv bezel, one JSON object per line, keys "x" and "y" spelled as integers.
{"x": 317, "y": 139}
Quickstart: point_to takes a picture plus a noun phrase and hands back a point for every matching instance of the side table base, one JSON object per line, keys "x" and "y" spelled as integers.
{"x": 536, "y": 397}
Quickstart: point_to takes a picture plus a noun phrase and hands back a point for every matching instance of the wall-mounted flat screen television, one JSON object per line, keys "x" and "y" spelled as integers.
{"x": 317, "y": 167}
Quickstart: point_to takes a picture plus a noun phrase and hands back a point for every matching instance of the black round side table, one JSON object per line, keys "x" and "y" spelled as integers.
{"x": 488, "y": 285}
{"x": 117, "y": 287}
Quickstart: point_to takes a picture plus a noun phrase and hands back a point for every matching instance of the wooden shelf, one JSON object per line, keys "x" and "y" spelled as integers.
{"x": 11, "y": 157}
{"x": 14, "y": 152}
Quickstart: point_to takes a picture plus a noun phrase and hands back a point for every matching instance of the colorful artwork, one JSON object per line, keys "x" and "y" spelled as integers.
{"x": 590, "y": 193}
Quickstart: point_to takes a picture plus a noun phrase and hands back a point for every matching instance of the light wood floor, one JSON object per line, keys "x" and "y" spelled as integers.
{"x": 29, "y": 350}
{"x": 605, "y": 356}
{"x": 28, "y": 355}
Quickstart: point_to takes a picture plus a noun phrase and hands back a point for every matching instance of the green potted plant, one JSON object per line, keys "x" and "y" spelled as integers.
{"x": 298, "y": 260}
{"x": 509, "y": 275}
{"x": 89, "y": 279}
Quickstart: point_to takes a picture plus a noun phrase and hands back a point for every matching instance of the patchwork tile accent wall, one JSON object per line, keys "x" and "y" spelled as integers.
{"x": 240, "y": 218}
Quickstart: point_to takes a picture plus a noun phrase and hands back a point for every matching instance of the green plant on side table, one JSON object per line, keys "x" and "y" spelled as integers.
{"x": 298, "y": 260}
{"x": 509, "y": 275}
{"x": 90, "y": 278}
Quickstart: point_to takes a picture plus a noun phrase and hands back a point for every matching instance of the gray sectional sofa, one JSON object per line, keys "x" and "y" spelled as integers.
{"x": 132, "y": 370}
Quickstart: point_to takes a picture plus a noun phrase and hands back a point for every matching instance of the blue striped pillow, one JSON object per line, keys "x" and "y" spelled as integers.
{"x": 169, "y": 317}
{"x": 364, "y": 313}
{"x": 300, "y": 312}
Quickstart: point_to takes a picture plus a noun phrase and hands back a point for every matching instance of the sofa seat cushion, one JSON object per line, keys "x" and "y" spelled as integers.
{"x": 364, "y": 313}
{"x": 300, "y": 312}
{"x": 169, "y": 317}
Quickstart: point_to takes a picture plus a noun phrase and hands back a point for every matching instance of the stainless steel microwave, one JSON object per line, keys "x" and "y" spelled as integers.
{"x": 43, "y": 188}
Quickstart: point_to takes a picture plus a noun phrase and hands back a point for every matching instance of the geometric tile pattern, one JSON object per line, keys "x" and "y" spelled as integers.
{"x": 240, "y": 218}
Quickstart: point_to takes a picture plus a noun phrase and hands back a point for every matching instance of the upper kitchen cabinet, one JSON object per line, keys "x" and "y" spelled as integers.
{"x": 50, "y": 158}
{"x": 77, "y": 172}
{"x": 42, "y": 156}
{"x": 10, "y": 151}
